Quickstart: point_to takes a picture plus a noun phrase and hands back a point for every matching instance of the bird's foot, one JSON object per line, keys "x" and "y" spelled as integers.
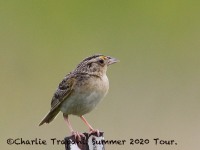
{"x": 78, "y": 136}
{"x": 95, "y": 131}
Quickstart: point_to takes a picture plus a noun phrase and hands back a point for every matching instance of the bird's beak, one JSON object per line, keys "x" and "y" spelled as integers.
{"x": 112, "y": 60}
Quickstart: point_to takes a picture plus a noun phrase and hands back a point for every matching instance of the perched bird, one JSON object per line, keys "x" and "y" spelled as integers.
{"x": 81, "y": 90}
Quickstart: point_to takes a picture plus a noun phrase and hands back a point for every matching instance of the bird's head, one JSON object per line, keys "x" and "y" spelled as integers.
{"x": 96, "y": 64}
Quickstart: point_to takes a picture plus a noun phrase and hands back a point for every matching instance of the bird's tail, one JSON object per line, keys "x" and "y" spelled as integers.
{"x": 49, "y": 117}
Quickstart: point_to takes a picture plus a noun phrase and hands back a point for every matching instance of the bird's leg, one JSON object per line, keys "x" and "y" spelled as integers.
{"x": 90, "y": 127}
{"x": 76, "y": 134}
{"x": 68, "y": 123}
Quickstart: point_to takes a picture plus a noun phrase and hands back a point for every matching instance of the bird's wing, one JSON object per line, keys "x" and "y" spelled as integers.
{"x": 64, "y": 90}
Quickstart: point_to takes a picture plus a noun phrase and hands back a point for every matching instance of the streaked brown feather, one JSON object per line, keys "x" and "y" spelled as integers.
{"x": 64, "y": 90}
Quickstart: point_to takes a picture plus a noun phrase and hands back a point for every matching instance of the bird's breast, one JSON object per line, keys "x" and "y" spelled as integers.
{"x": 86, "y": 96}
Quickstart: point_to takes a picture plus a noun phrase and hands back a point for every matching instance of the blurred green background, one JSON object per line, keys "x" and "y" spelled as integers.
{"x": 154, "y": 90}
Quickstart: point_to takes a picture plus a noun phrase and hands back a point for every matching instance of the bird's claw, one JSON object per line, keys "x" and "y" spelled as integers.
{"x": 95, "y": 131}
{"x": 78, "y": 136}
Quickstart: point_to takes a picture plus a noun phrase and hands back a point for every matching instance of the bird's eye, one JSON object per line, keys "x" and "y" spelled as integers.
{"x": 101, "y": 61}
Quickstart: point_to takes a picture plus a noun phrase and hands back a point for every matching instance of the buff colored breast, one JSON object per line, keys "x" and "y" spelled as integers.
{"x": 85, "y": 98}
